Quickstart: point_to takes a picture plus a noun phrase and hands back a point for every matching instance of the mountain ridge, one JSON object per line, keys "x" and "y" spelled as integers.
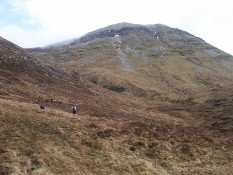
{"x": 115, "y": 28}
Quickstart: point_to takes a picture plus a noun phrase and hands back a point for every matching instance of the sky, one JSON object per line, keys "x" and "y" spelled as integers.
{"x": 36, "y": 23}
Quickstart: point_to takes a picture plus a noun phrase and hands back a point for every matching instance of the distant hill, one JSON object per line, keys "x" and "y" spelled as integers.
{"x": 146, "y": 60}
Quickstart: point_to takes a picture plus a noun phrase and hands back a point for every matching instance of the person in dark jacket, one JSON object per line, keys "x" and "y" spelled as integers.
{"x": 42, "y": 106}
{"x": 74, "y": 109}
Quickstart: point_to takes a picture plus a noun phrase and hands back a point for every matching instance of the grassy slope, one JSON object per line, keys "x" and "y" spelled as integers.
{"x": 175, "y": 67}
{"x": 49, "y": 141}
{"x": 119, "y": 133}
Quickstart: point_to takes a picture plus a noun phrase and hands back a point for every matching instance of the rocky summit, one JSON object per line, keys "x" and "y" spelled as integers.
{"x": 150, "y": 100}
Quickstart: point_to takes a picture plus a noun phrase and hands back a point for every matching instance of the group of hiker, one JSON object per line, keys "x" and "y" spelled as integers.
{"x": 74, "y": 108}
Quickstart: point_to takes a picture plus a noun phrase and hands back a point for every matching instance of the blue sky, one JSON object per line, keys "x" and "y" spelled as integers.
{"x": 11, "y": 15}
{"x": 33, "y": 23}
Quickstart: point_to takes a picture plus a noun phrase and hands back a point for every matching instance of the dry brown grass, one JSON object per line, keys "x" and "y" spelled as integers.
{"x": 50, "y": 141}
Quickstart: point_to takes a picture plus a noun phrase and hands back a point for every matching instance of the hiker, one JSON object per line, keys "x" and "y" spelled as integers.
{"x": 74, "y": 109}
{"x": 42, "y": 106}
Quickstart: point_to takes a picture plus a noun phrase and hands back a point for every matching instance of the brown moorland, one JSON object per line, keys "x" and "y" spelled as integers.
{"x": 151, "y": 100}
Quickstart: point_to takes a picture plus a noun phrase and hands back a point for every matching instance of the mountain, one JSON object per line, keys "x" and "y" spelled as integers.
{"x": 153, "y": 61}
{"x": 151, "y": 100}
{"x": 156, "y": 63}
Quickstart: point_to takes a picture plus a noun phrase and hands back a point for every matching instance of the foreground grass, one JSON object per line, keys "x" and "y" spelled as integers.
{"x": 34, "y": 141}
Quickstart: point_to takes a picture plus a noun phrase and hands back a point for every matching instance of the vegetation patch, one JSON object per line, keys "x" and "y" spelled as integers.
{"x": 115, "y": 88}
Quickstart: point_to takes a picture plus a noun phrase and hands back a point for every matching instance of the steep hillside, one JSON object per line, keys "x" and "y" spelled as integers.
{"x": 153, "y": 61}
{"x": 20, "y": 70}
{"x": 27, "y": 77}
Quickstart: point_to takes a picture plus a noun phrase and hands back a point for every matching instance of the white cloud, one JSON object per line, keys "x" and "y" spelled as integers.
{"x": 65, "y": 19}
{"x": 1, "y": 7}
{"x": 20, "y": 36}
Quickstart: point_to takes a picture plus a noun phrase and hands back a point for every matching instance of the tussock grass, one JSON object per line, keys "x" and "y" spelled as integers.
{"x": 50, "y": 141}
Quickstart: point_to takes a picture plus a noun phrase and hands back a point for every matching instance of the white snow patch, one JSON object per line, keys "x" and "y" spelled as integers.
{"x": 157, "y": 37}
{"x": 116, "y": 35}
